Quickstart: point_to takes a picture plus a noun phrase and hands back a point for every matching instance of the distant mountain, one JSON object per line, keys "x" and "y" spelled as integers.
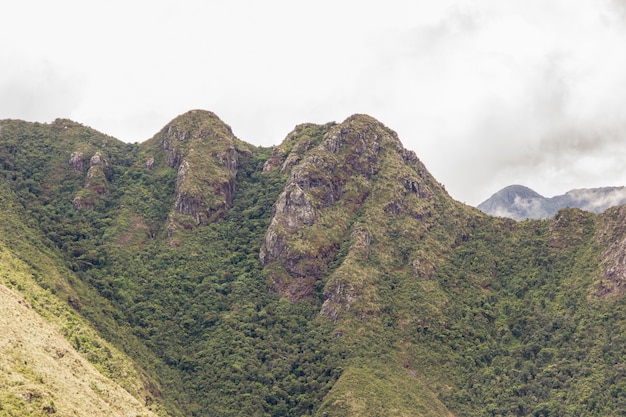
{"x": 519, "y": 202}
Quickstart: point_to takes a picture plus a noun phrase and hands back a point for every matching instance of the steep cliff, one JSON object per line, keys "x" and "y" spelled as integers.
{"x": 611, "y": 236}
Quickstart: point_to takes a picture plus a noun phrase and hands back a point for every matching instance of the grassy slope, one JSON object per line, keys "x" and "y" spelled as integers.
{"x": 44, "y": 275}
{"x": 52, "y": 358}
{"x": 42, "y": 372}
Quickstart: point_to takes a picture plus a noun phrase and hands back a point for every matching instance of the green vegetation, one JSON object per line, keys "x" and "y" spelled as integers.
{"x": 377, "y": 293}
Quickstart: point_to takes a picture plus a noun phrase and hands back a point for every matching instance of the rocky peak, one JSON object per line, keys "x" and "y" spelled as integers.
{"x": 302, "y": 139}
{"x": 358, "y": 132}
{"x": 334, "y": 171}
{"x": 190, "y": 127}
{"x": 205, "y": 153}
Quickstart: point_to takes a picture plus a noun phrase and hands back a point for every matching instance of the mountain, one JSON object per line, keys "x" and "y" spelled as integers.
{"x": 519, "y": 202}
{"x": 195, "y": 274}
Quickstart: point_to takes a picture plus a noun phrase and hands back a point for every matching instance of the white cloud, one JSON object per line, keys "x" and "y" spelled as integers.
{"x": 487, "y": 93}
{"x": 36, "y": 90}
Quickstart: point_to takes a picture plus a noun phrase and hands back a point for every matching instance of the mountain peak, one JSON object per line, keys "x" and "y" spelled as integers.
{"x": 196, "y": 124}
{"x": 513, "y": 191}
{"x": 520, "y": 202}
{"x": 367, "y": 131}
{"x": 515, "y": 201}
{"x": 205, "y": 153}
{"x": 334, "y": 172}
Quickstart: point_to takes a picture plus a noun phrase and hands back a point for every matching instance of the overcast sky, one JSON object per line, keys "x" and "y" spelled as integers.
{"x": 487, "y": 93}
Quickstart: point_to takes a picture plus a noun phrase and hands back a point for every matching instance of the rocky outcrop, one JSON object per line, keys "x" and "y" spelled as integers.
{"x": 292, "y": 211}
{"x": 96, "y": 180}
{"x": 201, "y": 195}
{"x": 297, "y": 143}
{"x": 98, "y": 161}
{"x": 97, "y": 174}
{"x": 333, "y": 174}
{"x": 205, "y": 154}
{"x": 316, "y": 182}
{"x": 186, "y": 203}
{"x": 275, "y": 159}
{"x": 341, "y": 291}
{"x": 84, "y": 201}
{"x": 76, "y": 162}
{"x": 612, "y": 275}
{"x": 338, "y": 297}
{"x": 422, "y": 268}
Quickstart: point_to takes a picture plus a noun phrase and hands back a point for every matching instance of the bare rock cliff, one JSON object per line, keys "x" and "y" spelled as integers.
{"x": 612, "y": 274}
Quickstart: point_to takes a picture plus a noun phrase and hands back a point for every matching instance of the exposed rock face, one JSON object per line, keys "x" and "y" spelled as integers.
{"x": 292, "y": 211}
{"x": 83, "y": 202}
{"x": 204, "y": 151}
{"x": 333, "y": 175}
{"x": 295, "y": 145}
{"x": 96, "y": 181}
{"x": 169, "y": 143}
{"x": 186, "y": 203}
{"x": 76, "y": 162}
{"x": 339, "y": 298}
{"x": 612, "y": 276}
{"x": 422, "y": 269}
{"x": 614, "y": 269}
{"x": 295, "y": 208}
{"x": 98, "y": 161}
{"x": 97, "y": 174}
{"x": 317, "y": 181}
{"x": 274, "y": 161}
{"x": 341, "y": 292}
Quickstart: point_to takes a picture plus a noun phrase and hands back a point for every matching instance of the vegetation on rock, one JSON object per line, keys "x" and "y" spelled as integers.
{"x": 332, "y": 275}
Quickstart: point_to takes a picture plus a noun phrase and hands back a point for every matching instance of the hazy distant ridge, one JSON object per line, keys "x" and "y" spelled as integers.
{"x": 520, "y": 202}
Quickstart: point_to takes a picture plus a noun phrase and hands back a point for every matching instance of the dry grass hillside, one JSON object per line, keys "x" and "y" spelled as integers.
{"x": 41, "y": 373}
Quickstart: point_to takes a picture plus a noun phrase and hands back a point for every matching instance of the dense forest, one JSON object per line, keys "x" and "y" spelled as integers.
{"x": 330, "y": 275}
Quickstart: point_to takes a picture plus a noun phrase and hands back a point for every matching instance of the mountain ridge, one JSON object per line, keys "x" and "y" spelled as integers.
{"x": 519, "y": 202}
{"x": 330, "y": 275}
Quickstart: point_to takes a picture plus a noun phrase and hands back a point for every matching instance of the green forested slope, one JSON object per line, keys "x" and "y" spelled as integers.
{"x": 330, "y": 275}
{"x": 53, "y": 360}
